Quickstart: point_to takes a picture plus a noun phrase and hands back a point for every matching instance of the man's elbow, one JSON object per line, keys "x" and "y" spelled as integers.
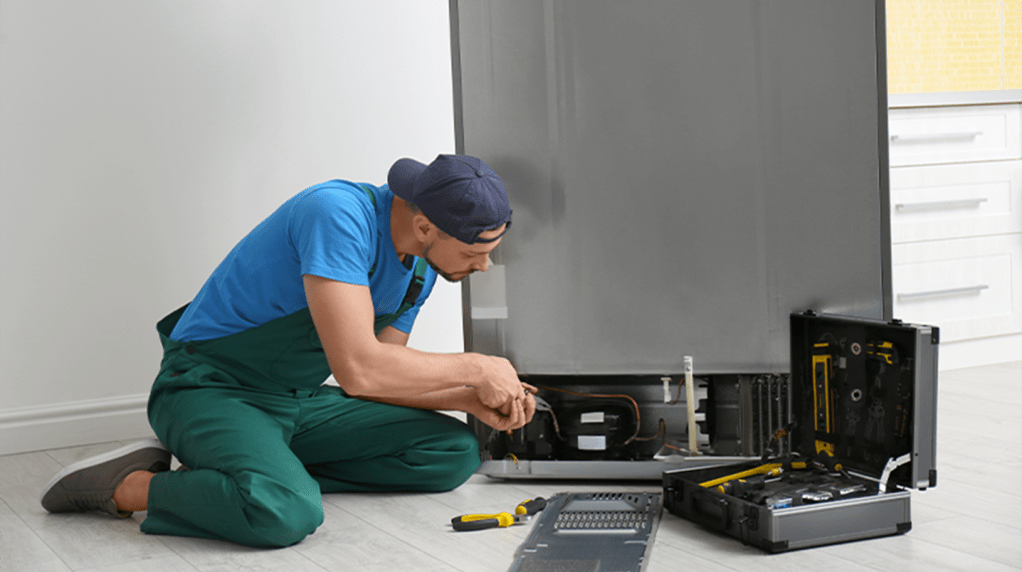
{"x": 355, "y": 374}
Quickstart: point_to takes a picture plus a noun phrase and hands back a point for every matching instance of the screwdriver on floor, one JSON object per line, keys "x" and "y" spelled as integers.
{"x": 501, "y": 519}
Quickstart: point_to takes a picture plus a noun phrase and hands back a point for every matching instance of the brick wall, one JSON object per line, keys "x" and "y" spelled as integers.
{"x": 954, "y": 45}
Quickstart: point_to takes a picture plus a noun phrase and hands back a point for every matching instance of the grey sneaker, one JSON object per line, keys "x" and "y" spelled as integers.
{"x": 89, "y": 484}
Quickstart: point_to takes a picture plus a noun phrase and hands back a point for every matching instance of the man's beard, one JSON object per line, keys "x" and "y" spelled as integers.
{"x": 441, "y": 273}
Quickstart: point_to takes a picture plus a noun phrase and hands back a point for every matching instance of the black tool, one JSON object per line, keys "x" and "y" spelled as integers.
{"x": 774, "y": 440}
{"x": 531, "y": 506}
{"x": 741, "y": 487}
{"x": 831, "y": 463}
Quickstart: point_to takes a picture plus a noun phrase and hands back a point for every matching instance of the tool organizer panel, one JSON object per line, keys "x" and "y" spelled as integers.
{"x": 599, "y": 531}
{"x": 864, "y": 410}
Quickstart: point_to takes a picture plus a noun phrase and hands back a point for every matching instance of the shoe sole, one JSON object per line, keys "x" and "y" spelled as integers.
{"x": 100, "y": 459}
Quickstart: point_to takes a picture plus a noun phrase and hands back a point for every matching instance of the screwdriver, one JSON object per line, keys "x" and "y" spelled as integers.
{"x": 484, "y": 521}
{"x": 826, "y": 459}
{"x": 523, "y": 511}
{"x": 739, "y": 487}
{"x": 531, "y": 506}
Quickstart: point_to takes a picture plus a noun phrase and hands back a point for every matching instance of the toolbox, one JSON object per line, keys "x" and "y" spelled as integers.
{"x": 864, "y": 401}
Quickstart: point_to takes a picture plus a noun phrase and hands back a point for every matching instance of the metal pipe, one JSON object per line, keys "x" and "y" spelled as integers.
{"x": 690, "y": 397}
{"x": 762, "y": 444}
{"x": 790, "y": 417}
{"x": 770, "y": 409}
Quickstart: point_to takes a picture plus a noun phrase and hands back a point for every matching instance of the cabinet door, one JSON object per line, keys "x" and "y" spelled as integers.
{"x": 970, "y": 288}
{"x": 928, "y": 136}
{"x": 956, "y": 201}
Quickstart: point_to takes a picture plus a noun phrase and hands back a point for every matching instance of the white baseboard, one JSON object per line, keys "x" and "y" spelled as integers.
{"x": 71, "y": 424}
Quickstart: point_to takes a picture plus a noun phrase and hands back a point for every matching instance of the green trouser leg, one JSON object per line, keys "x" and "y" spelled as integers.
{"x": 263, "y": 439}
{"x": 244, "y": 484}
{"x": 353, "y": 445}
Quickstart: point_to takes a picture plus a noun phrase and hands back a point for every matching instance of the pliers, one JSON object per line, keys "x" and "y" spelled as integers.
{"x": 501, "y": 519}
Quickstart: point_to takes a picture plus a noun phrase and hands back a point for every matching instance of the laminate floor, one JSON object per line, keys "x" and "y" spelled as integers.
{"x": 972, "y": 521}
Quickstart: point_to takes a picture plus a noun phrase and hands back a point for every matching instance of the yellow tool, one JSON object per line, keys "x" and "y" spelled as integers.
{"x": 531, "y": 506}
{"x": 523, "y": 511}
{"x": 884, "y": 351}
{"x": 739, "y": 487}
{"x": 826, "y": 459}
{"x": 768, "y": 469}
{"x": 823, "y": 369}
{"x": 483, "y": 521}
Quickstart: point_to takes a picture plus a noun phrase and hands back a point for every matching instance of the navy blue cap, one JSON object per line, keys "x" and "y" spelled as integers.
{"x": 460, "y": 194}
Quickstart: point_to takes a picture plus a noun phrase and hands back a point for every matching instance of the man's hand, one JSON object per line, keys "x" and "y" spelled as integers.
{"x": 530, "y": 401}
{"x": 520, "y": 413}
{"x": 499, "y": 387}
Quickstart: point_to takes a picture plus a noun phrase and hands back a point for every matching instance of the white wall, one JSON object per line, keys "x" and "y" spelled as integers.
{"x": 140, "y": 139}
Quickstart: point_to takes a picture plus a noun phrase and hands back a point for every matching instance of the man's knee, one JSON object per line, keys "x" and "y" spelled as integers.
{"x": 460, "y": 461}
{"x": 284, "y": 518}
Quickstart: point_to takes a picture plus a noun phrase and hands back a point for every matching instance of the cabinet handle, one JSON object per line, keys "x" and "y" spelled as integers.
{"x": 948, "y": 292}
{"x": 940, "y": 204}
{"x": 926, "y": 137}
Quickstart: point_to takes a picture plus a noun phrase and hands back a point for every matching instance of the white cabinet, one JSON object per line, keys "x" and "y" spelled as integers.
{"x": 934, "y": 202}
{"x": 968, "y": 287}
{"x": 936, "y": 135}
{"x": 956, "y": 227}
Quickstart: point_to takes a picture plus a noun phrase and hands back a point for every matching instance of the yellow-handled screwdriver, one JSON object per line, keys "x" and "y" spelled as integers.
{"x": 523, "y": 511}
{"x": 484, "y": 521}
{"x": 531, "y": 506}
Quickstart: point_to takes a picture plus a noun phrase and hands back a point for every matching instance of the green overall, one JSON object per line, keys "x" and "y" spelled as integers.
{"x": 263, "y": 438}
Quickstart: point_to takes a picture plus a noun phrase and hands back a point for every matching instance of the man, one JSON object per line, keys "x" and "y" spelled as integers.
{"x": 329, "y": 283}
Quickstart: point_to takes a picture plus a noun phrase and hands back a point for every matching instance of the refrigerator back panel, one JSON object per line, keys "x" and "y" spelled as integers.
{"x": 683, "y": 174}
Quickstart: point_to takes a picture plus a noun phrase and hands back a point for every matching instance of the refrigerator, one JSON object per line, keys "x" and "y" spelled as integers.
{"x": 684, "y": 175}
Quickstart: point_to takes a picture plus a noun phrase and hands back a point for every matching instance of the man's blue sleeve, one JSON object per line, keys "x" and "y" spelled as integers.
{"x": 332, "y": 231}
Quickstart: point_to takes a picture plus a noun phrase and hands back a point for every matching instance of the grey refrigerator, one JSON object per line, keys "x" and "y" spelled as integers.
{"x": 684, "y": 175}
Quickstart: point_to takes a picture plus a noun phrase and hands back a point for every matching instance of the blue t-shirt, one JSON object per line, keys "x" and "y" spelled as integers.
{"x": 330, "y": 230}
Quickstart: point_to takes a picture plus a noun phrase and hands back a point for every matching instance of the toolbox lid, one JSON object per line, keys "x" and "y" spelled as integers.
{"x": 865, "y": 390}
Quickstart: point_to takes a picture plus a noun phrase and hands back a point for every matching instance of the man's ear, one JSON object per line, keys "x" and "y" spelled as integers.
{"x": 423, "y": 228}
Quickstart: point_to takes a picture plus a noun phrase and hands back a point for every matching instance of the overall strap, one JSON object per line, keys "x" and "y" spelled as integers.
{"x": 414, "y": 287}
{"x": 372, "y": 195}
{"x": 372, "y": 198}
{"x": 411, "y": 295}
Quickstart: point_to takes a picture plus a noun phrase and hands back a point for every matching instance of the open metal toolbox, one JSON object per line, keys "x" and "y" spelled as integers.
{"x": 865, "y": 400}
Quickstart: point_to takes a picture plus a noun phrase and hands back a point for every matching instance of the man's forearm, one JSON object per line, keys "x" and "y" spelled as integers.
{"x": 454, "y": 399}
{"x": 465, "y": 399}
{"x": 366, "y": 367}
{"x": 392, "y": 372}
